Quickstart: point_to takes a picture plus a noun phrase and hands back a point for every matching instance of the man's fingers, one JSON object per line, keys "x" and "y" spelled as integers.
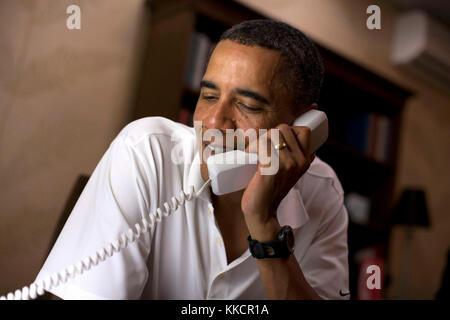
{"x": 290, "y": 137}
{"x": 303, "y": 135}
{"x": 296, "y": 138}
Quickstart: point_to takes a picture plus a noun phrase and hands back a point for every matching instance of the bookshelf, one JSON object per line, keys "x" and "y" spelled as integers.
{"x": 364, "y": 110}
{"x": 365, "y": 113}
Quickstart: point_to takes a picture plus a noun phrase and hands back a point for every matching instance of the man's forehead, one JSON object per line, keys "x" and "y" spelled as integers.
{"x": 233, "y": 48}
{"x": 232, "y": 61}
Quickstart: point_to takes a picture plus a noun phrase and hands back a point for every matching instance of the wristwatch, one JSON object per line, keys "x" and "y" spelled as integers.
{"x": 282, "y": 247}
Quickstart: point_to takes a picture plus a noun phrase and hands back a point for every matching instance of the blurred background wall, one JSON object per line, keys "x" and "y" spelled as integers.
{"x": 65, "y": 94}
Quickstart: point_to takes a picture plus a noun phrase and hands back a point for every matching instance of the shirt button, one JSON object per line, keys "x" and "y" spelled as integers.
{"x": 219, "y": 241}
{"x": 209, "y": 211}
{"x": 221, "y": 276}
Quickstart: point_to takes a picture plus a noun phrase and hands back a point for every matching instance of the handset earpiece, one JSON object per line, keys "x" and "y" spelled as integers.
{"x": 317, "y": 122}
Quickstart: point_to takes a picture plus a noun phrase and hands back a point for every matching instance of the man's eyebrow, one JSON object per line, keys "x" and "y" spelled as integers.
{"x": 252, "y": 94}
{"x": 208, "y": 84}
{"x": 243, "y": 92}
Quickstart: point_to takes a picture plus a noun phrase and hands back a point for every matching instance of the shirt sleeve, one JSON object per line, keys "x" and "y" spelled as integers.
{"x": 114, "y": 199}
{"x": 325, "y": 263}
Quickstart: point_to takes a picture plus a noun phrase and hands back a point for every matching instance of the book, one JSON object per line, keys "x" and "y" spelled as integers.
{"x": 370, "y": 133}
{"x": 381, "y": 152}
{"x": 192, "y": 53}
{"x": 357, "y": 133}
{"x": 201, "y": 60}
{"x": 372, "y": 136}
{"x": 197, "y": 60}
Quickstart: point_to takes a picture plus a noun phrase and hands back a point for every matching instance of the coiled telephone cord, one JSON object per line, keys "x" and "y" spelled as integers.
{"x": 38, "y": 288}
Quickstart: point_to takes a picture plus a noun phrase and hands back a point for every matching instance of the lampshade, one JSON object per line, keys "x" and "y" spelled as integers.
{"x": 411, "y": 209}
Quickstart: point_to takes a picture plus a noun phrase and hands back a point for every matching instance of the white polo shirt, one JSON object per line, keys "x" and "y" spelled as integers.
{"x": 183, "y": 256}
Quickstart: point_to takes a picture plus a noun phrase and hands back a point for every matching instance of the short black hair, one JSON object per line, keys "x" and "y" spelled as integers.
{"x": 302, "y": 70}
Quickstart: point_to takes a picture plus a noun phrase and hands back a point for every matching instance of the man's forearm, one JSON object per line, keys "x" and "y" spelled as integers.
{"x": 283, "y": 278}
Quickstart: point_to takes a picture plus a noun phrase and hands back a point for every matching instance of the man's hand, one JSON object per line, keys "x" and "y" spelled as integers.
{"x": 281, "y": 278}
{"x": 265, "y": 192}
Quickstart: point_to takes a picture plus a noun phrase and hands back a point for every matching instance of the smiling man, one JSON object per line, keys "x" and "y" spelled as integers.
{"x": 262, "y": 74}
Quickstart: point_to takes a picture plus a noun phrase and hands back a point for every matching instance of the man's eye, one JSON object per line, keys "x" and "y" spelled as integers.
{"x": 247, "y": 108}
{"x": 209, "y": 97}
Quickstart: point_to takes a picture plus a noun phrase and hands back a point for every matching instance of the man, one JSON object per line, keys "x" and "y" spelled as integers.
{"x": 262, "y": 75}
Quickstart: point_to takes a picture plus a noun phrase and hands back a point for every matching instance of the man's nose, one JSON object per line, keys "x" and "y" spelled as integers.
{"x": 220, "y": 116}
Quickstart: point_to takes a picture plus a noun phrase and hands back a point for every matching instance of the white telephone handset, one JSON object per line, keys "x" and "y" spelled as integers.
{"x": 236, "y": 171}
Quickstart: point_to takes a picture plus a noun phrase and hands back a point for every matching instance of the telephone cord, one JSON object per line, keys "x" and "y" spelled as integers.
{"x": 38, "y": 288}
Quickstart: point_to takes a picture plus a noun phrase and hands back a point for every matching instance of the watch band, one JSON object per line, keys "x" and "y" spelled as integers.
{"x": 280, "y": 248}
